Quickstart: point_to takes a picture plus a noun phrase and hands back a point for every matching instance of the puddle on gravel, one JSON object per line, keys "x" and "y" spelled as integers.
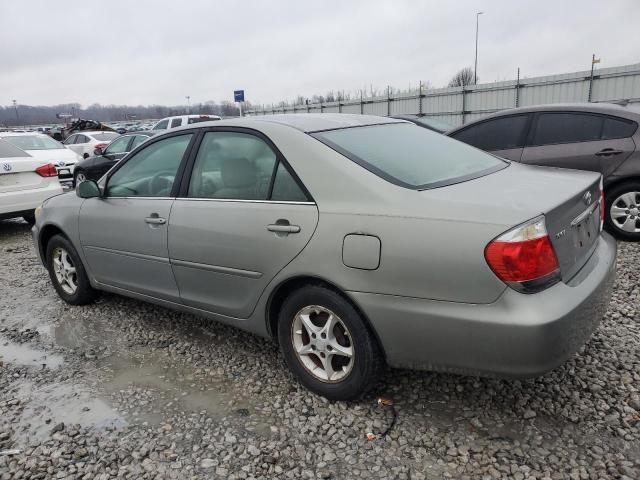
{"x": 19, "y": 354}
{"x": 146, "y": 385}
{"x": 134, "y": 383}
{"x": 65, "y": 402}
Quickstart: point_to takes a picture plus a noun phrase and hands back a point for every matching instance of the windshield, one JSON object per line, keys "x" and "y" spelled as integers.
{"x": 105, "y": 136}
{"x": 34, "y": 142}
{"x": 410, "y": 156}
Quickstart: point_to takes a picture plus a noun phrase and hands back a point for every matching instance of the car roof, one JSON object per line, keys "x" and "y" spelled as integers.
{"x": 91, "y": 132}
{"x": 23, "y": 134}
{"x": 305, "y": 122}
{"x": 602, "y": 108}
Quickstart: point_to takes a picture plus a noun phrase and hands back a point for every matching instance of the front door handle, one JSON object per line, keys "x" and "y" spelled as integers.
{"x": 282, "y": 227}
{"x": 605, "y": 152}
{"x": 155, "y": 219}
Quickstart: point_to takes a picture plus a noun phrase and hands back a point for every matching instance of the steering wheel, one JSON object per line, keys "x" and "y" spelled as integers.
{"x": 159, "y": 182}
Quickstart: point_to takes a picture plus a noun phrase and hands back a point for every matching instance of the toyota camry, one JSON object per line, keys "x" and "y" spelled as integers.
{"x": 352, "y": 241}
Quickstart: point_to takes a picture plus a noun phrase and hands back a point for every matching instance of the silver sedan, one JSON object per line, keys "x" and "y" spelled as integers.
{"x": 352, "y": 241}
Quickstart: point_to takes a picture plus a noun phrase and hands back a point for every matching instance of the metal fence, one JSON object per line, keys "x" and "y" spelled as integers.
{"x": 459, "y": 105}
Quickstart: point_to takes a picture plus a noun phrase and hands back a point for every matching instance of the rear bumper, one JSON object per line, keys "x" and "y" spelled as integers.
{"x": 26, "y": 200}
{"x": 519, "y": 335}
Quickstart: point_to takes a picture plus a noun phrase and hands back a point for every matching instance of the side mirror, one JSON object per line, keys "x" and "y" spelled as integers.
{"x": 88, "y": 189}
{"x": 97, "y": 152}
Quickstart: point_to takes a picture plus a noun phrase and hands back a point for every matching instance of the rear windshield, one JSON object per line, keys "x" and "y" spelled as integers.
{"x": 34, "y": 142}
{"x": 201, "y": 119}
{"x": 410, "y": 156}
{"x": 8, "y": 150}
{"x": 105, "y": 137}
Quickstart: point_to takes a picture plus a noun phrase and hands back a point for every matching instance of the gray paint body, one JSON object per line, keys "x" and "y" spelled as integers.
{"x": 431, "y": 299}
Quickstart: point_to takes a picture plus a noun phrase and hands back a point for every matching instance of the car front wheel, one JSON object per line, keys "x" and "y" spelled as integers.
{"x": 78, "y": 177}
{"x": 623, "y": 211}
{"x": 327, "y": 345}
{"x": 67, "y": 273}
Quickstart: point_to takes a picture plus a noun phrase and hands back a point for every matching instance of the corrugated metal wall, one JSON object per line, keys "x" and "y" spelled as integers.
{"x": 461, "y": 105}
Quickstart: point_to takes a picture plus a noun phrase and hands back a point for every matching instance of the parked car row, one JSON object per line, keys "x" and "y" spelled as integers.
{"x": 350, "y": 240}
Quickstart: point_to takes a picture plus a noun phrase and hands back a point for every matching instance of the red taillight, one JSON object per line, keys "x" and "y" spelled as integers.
{"x": 524, "y": 257}
{"x": 48, "y": 170}
{"x": 100, "y": 145}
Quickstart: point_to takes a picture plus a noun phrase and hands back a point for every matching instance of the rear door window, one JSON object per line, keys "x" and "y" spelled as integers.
{"x": 176, "y": 122}
{"x": 232, "y": 165}
{"x": 618, "y": 128}
{"x": 498, "y": 134}
{"x": 566, "y": 127}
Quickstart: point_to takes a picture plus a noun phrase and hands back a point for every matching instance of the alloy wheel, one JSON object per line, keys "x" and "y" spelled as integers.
{"x": 65, "y": 270}
{"x": 323, "y": 344}
{"x": 625, "y": 212}
{"x": 80, "y": 177}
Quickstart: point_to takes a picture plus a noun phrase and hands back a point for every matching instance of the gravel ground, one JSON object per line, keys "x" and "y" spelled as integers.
{"x": 129, "y": 390}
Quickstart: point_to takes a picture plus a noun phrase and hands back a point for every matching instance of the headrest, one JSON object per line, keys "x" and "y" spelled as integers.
{"x": 237, "y": 172}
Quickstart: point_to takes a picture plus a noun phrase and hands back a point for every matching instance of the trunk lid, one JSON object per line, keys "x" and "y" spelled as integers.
{"x": 19, "y": 174}
{"x": 569, "y": 200}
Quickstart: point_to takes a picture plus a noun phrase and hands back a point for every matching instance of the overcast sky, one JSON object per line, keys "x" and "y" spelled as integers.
{"x": 157, "y": 52}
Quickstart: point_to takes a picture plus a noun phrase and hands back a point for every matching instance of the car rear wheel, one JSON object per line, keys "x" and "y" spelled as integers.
{"x": 86, "y": 155}
{"x": 67, "y": 273}
{"x": 623, "y": 211}
{"x": 327, "y": 345}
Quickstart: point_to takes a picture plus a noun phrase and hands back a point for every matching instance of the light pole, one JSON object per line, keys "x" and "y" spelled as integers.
{"x": 475, "y": 68}
{"x": 188, "y": 104}
{"x": 15, "y": 107}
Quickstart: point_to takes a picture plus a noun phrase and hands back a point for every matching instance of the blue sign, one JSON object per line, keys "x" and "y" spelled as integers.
{"x": 238, "y": 95}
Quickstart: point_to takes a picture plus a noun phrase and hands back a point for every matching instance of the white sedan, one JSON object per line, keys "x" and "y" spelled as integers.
{"x": 25, "y": 182}
{"x": 84, "y": 143}
{"x": 45, "y": 148}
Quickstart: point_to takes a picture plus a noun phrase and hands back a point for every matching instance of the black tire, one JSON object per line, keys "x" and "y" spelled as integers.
{"x": 84, "y": 292}
{"x": 30, "y": 218}
{"x": 367, "y": 358}
{"x": 75, "y": 176}
{"x": 86, "y": 155}
{"x": 611, "y": 195}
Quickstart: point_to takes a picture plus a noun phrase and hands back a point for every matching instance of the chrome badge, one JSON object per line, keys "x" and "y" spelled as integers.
{"x": 61, "y": 163}
{"x": 587, "y": 198}
{"x": 561, "y": 234}
{"x": 6, "y": 167}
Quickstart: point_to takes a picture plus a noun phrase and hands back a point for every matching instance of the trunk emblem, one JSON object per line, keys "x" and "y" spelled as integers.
{"x": 6, "y": 167}
{"x": 561, "y": 234}
{"x": 587, "y": 198}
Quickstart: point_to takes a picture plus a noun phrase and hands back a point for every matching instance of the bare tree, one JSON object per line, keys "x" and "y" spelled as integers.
{"x": 463, "y": 78}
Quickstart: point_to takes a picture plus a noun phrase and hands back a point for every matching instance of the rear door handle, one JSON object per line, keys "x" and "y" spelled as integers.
{"x": 605, "y": 152}
{"x": 154, "y": 219}
{"x": 282, "y": 227}
{"x": 279, "y": 228}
